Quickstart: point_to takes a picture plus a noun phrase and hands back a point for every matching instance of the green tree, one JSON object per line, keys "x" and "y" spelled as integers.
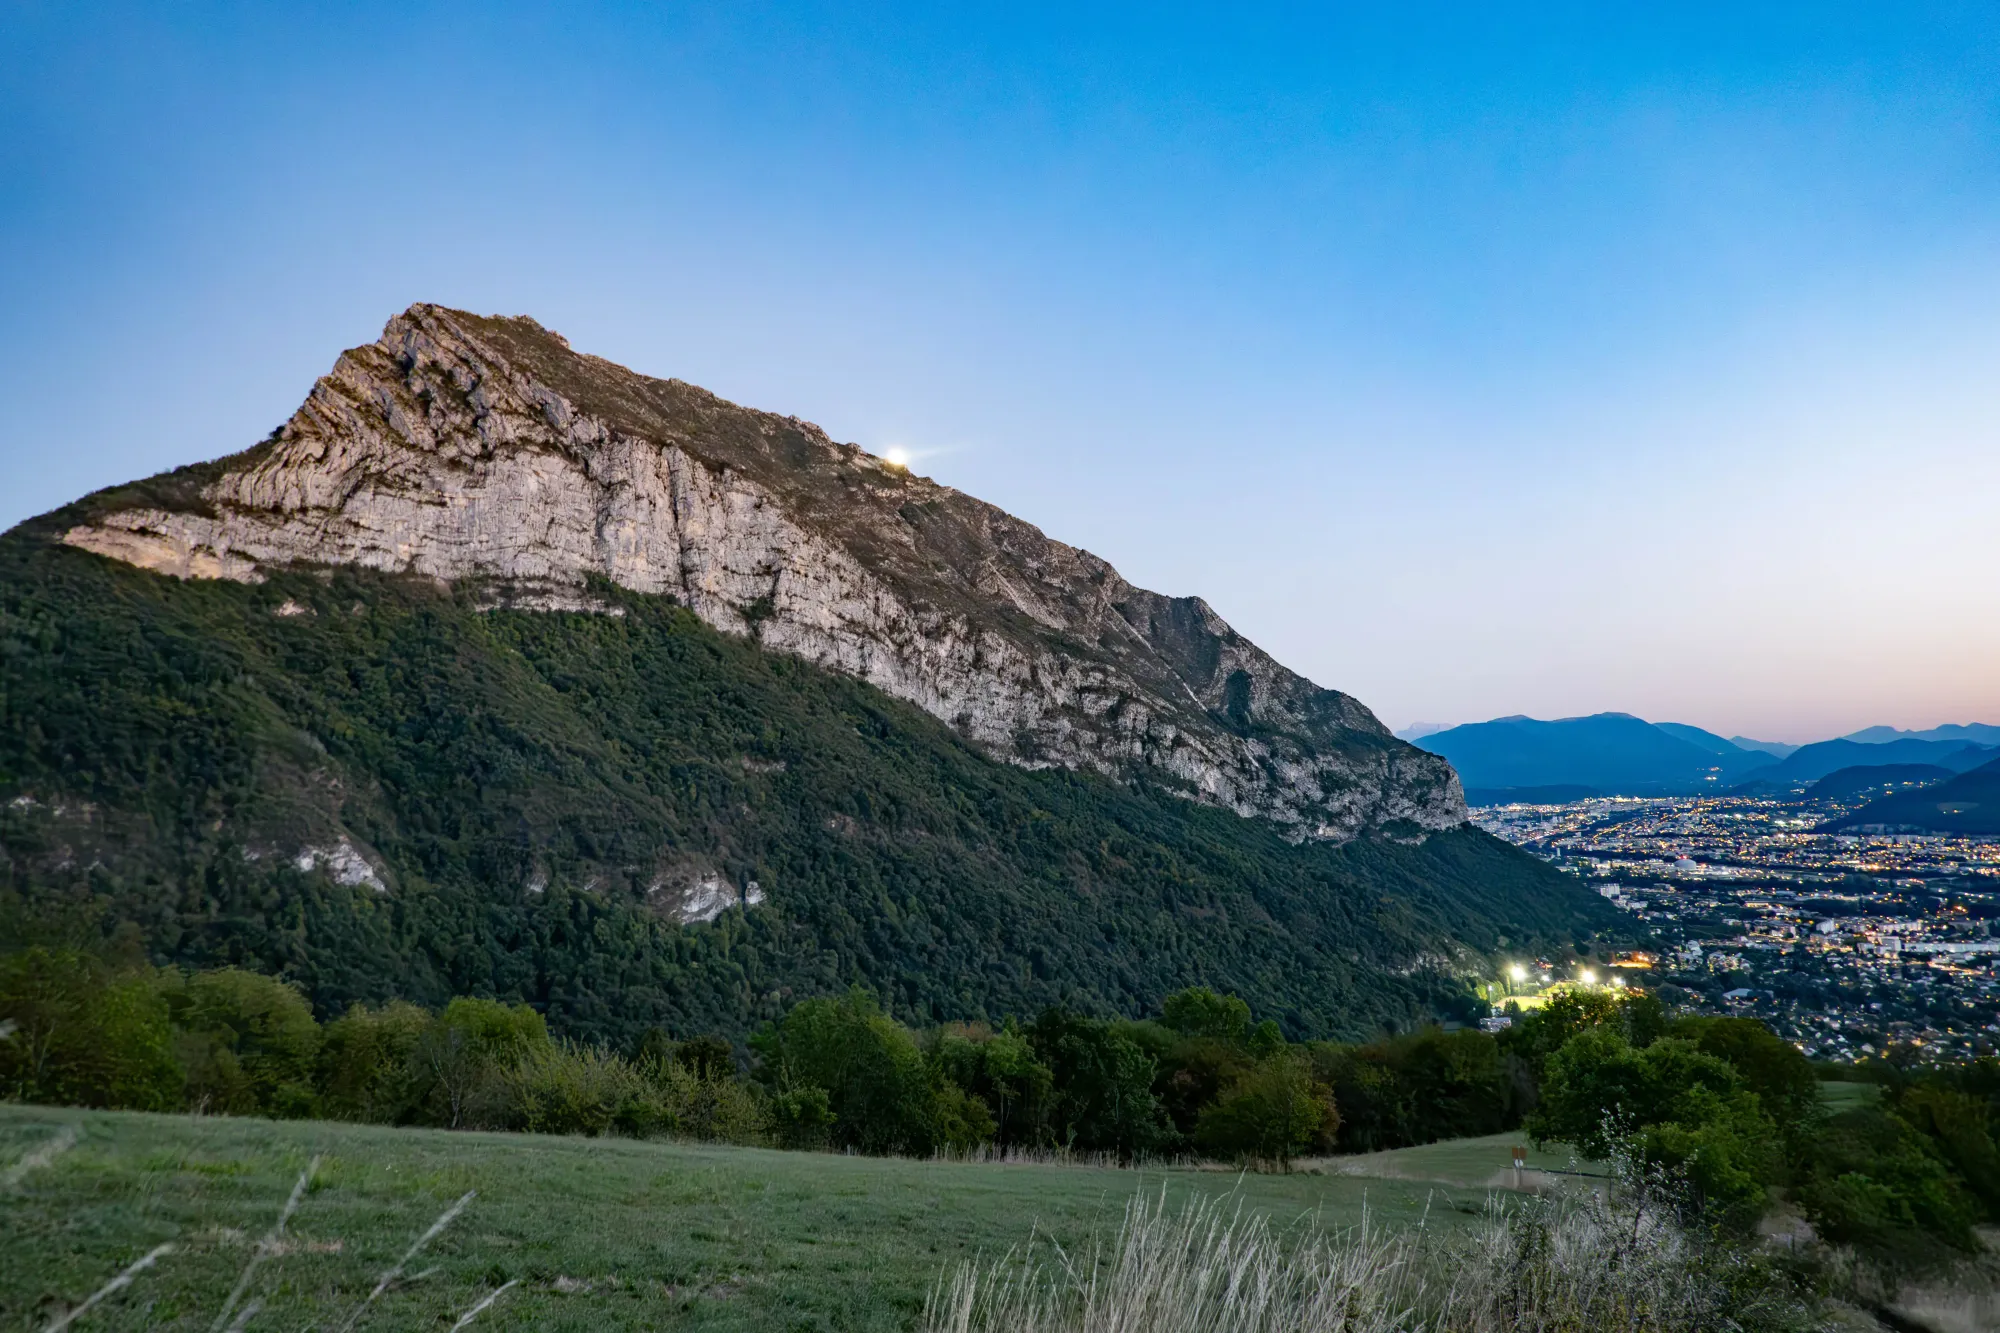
{"x": 1001, "y": 1070}
{"x": 1960, "y": 1129}
{"x": 1104, "y": 1086}
{"x": 1201, "y": 1012}
{"x": 868, "y": 1065}
{"x": 249, "y": 1043}
{"x": 1671, "y": 1103}
{"x": 1777, "y": 1071}
{"x": 84, "y": 1035}
{"x": 1271, "y": 1113}
{"x": 1421, "y": 1087}
{"x": 368, "y": 1066}
{"x": 461, "y": 1057}
{"x": 1540, "y": 1033}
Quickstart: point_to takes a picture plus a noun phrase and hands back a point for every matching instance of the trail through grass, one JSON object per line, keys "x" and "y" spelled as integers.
{"x": 596, "y": 1233}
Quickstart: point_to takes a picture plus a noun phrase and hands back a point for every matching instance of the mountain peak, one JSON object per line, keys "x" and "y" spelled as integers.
{"x": 461, "y": 447}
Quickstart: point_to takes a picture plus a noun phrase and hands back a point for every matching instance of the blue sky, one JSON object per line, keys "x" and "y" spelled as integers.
{"x": 1472, "y": 362}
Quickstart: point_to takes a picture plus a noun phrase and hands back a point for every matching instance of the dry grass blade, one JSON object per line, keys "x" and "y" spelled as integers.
{"x": 115, "y": 1285}
{"x": 1207, "y": 1268}
{"x": 491, "y": 1297}
{"x": 267, "y": 1246}
{"x": 39, "y": 1156}
{"x": 444, "y": 1220}
{"x": 1558, "y": 1265}
{"x": 245, "y": 1315}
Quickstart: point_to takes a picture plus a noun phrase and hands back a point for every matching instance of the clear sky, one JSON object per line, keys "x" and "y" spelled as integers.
{"x": 1474, "y": 359}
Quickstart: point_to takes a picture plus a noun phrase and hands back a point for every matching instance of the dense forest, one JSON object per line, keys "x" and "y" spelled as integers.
{"x": 379, "y": 788}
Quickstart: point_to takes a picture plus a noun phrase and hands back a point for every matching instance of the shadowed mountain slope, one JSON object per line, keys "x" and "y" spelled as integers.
{"x": 1968, "y": 803}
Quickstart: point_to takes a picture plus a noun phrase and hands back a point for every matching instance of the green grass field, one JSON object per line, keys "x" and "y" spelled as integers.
{"x": 1466, "y": 1164}
{"x": 600, "y": 1233}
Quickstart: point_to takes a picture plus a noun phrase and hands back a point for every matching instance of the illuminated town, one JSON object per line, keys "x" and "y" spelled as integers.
{"x": 1844, "y": 943}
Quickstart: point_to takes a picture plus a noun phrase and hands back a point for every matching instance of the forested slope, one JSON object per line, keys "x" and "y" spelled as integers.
{"x": 371, "y": 785}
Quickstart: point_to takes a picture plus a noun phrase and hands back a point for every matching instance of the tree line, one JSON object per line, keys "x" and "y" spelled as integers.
{"x": 1722, "y": 1103}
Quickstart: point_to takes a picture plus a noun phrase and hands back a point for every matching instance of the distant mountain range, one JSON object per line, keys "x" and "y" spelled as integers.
{"x": 1809, "y": 763}
{"x": 1528, "y": 759}
{"x": 1606, "y": 752}
{"x": 1967, "y": 803}
{"x": 1982, "y": 733}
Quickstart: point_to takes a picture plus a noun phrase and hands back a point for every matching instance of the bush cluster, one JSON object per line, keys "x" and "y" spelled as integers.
{"x": 1719, "y": 1103}
{"x": 226, "y": 1041}
{"x": 1734, "y": 1111}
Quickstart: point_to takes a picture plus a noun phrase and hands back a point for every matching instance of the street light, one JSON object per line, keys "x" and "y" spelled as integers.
{"x": 1518, "y": 972}
{"x": 1587, "y": 977}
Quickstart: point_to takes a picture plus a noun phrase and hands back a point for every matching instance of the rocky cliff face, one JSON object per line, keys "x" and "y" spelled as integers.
{"x": 462, "y": 447}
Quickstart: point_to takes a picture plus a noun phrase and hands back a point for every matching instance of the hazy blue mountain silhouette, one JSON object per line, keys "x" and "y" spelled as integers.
{"x": 1982, "y": 733}
{"x": 1615, "y": 753}
{"x": 1810, "y": 763}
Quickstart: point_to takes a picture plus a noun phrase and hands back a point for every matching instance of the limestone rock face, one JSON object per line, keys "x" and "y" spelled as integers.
{"x": 463, "y": 447}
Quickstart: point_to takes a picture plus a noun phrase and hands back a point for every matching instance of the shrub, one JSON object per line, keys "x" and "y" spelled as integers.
{"x": 1961, "y": 1132}
{"x": 368, "y": 1063}
{"x": 565, "y": 1088}
{"x": 461, "y": 1057}
{"x": 717, "y": 1109}
{"x": 1870, "y": 1180}
{"x": 802, "y": 1118}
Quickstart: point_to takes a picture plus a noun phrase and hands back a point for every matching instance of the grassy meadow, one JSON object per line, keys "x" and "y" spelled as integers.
{"x": 596, "y": 1233}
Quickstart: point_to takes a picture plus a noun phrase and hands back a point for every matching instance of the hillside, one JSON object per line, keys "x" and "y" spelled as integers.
{"x": 1614, "y": 753}
{"x": 472, "y": 449}
{"x": 1874, "y": 780}
{"x": 1810, "y": 763}
{"x": 1968, "y": 803}
{"x": 384, "y": 783}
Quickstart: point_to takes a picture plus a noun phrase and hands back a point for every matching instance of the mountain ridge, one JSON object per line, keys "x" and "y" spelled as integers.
{"x": 466, "y": 447}
{"x": 1966, "y": 803}
{"x": 464, "y": 758}
{"x": 1616, "y": 753}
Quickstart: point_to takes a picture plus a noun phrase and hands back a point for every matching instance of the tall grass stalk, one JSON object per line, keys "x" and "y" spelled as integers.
{"x": 266, "y": 1247}
{"x": 490, "y": 1297}
{"x": 114, "y": 1286}
{"x": 444, "y": 1220}
{"x": 1206, "y": 1268}
{"x": 1605, "y": 1263}
{"x": 39, "y": 1156}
